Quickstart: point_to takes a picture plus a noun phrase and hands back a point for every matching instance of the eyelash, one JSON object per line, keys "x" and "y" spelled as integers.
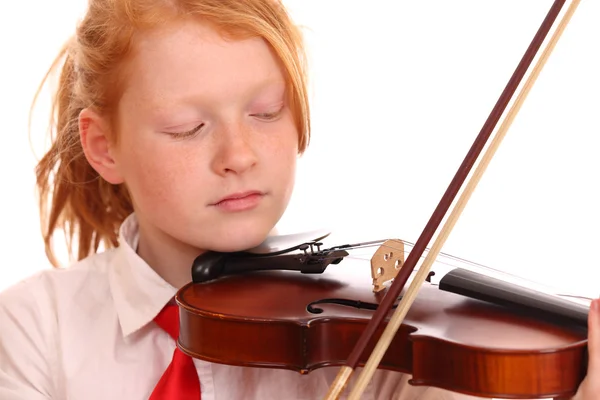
{"x": 192, "y": 132}
{"x": 267, "y": 116}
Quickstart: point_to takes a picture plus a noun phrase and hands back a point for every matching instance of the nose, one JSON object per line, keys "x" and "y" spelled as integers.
{"x": 234, "y": 153}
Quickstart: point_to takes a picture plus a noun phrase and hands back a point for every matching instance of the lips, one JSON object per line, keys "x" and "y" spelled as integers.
{"x": 241, "y": 201}
{"x": 239, "y": 196}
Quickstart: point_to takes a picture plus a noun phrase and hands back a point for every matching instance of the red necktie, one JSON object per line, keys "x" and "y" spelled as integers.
{"x": 180, "y": 380}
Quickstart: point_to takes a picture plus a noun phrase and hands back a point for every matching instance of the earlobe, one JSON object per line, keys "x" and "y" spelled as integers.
{"x": 95, "y": 141}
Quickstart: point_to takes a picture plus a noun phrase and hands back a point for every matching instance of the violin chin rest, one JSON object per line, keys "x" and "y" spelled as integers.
{"x": 208, "y": 266}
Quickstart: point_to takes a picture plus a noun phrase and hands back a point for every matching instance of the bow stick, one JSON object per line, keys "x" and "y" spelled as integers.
{"x": 394, "y": 291}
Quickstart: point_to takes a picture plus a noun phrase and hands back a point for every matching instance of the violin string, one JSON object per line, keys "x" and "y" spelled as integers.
{"x": 367, "y": 257}
{"x": 476, "y": 265}
{"x": 378, "y": 243}
{"x": 574, "y": 296}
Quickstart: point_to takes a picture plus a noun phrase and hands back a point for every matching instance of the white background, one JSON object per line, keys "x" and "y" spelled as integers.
{"x": 399, "y": 91}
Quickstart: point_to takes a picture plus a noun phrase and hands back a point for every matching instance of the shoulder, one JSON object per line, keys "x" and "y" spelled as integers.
{"x": 41, "y": 293}
{"x": 44, "y": 283}
{"x": 30, "y": 314}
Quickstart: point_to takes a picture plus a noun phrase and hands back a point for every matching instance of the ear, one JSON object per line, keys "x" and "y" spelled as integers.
{"x": 95, "y": 140}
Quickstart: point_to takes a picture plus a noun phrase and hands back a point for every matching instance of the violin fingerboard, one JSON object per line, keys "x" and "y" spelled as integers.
{"x": 518, "y": 298}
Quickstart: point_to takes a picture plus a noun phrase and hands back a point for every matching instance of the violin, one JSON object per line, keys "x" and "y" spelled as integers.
{"x": 304, "y": 308}
{"x": 301, "y": 307}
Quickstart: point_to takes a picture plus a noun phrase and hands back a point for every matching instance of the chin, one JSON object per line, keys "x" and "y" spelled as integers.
{"x": 239, "y": 238}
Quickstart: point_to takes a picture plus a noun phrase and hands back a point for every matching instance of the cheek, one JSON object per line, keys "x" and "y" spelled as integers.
{"x": 281, "y": 156}
{"x": 154, "y": 171}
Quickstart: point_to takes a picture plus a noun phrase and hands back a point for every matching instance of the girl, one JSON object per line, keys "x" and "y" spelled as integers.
{"x": 177, "y": 131}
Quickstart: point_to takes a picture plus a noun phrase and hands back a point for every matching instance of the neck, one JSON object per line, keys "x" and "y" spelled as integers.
{"x": 170, "y": 258}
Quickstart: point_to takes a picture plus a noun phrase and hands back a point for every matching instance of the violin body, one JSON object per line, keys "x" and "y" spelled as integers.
{"x": 301, "y": 322}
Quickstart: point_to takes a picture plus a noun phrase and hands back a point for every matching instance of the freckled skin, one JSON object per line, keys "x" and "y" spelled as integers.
{"x": 181, "y": 77}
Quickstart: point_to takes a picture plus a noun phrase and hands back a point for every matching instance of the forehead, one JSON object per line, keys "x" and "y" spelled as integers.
{"x": 181, "y": 60}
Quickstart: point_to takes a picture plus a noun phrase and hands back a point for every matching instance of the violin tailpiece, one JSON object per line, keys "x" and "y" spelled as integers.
{"x": 386, "y": 262}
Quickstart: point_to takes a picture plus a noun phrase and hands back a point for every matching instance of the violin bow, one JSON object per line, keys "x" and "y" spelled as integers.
{"x": 447, "y": 199}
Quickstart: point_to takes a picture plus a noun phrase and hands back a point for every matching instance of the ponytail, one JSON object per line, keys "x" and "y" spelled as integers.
{"x": 72, "y": 195}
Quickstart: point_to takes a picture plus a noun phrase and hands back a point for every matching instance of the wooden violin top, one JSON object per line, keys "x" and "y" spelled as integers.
{"x": 284, "y": 319}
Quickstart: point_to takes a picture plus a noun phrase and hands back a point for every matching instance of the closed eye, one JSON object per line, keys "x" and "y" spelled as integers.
{"x": 269, "y": 116}
{"x": 187, "y": 134}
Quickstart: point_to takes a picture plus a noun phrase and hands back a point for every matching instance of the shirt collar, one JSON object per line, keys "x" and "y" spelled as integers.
{"x": 139, "y": 293}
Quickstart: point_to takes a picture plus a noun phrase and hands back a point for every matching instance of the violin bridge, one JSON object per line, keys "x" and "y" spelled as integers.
{"x": 386, "y": 262}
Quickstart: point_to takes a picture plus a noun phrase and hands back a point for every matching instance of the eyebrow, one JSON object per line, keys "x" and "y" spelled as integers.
{"x": 162, "y": 107}
{"x": 254, "y": 90}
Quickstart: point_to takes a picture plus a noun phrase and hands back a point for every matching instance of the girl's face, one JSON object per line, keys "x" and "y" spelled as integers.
{"x": 207, "y": 142}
